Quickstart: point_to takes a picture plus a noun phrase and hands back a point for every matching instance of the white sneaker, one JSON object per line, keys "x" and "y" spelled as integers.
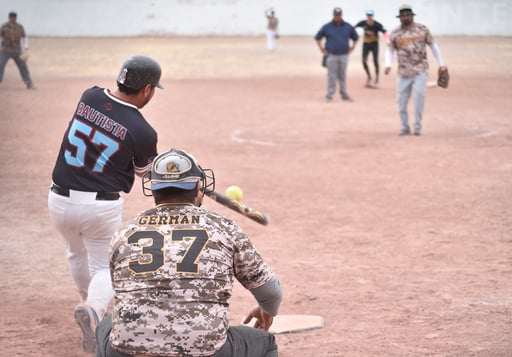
{"x": 87, "y": 319}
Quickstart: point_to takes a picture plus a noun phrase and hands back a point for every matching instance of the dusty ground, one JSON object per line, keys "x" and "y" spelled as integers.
{"x": 403, "y": 244}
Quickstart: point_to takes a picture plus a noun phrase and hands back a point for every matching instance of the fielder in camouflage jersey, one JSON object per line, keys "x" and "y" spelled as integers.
{"x": 13, "y": 36}
{"x": 410, "y": 41}
{"x": 173, "y": 268}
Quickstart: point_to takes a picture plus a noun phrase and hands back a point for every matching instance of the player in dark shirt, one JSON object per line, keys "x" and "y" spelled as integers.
{"x": 340, "y": 40}
{"x": 371, "y": 43}
{"x": 107, "y": 142}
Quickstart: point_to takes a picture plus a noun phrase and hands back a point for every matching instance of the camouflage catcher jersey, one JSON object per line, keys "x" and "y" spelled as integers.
{"x": 173, "y": 269}
{"x": 410, "y": 46}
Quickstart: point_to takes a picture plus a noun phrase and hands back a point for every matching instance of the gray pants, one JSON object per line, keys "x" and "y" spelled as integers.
{"x": 336, "y": 71}
{"x": 242, "y": 341}
{"x": 22, "y": 65}
{"x": 405, "y": 87}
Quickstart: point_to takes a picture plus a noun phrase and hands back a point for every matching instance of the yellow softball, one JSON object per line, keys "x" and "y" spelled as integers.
{"x": 235, "y": 193}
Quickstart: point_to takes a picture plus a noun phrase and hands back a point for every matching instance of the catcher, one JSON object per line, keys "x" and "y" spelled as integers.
{"x": 173, "y": 267}
{"x": 410, "y": 41}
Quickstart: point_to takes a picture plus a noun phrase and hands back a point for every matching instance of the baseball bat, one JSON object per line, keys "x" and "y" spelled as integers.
{"x": 239, "y": 207}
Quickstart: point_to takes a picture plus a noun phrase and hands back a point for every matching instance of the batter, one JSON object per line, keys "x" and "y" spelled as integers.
{"x": 107, "y": 142}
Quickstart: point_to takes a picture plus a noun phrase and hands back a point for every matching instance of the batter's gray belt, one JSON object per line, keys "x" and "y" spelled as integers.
{"x": 100, "y": 196}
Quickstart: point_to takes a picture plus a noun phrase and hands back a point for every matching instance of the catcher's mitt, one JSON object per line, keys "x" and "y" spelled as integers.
{"x": 443, "y": 77}
{"x": 24, "y": 56}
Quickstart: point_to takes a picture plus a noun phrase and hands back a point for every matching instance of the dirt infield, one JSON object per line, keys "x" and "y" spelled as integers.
{"x": 402, "y": 244}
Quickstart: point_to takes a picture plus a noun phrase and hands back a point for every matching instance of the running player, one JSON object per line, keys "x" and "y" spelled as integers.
{"x": 371, "y": 43}
{"x": 107, "y": 142}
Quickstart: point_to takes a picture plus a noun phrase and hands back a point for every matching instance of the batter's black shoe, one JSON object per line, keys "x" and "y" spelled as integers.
{"x": 404, "y": 132}
{"x": 87, "y": 319}
{"x": 30, "y": 86}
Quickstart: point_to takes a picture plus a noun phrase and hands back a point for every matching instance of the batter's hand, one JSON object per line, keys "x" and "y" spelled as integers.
{"x": 387, "y": 70}
{"x": 263, "y": 320}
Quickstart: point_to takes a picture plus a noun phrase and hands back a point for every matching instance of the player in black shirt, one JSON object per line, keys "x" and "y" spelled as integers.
{"x": 107, "y": 142}
{"x": 371, "y": 43}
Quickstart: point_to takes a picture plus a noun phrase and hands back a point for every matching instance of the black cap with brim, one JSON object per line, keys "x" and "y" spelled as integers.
{"x": 139, "y": 71}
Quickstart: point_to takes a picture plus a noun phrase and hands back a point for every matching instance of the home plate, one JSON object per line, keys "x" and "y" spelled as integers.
{"x": 294, "y": 323}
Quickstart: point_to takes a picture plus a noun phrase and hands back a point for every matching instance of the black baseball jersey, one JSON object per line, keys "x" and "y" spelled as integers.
{"x": 105, "y": 139}
{"x": 371, "y": 32}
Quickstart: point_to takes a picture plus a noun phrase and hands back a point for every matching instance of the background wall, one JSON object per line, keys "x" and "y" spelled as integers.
{"x": 245, "y": 17}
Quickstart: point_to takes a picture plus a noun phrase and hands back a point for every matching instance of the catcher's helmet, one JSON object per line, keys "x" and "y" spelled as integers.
{"x": 176, "y": 168}
{"x": 138, "y": 71}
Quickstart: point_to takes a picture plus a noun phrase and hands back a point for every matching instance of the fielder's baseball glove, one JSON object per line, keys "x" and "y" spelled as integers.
{"x": 24, "y": 56}
{"x": 443, "y": 77}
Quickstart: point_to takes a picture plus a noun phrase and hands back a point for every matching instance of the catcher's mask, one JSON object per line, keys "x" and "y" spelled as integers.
{"x": 176, "y": 168}
{"x": 138, "y": 71}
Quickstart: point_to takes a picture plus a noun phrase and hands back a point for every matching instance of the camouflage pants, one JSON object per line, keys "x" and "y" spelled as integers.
{"x": 242, "y": 341}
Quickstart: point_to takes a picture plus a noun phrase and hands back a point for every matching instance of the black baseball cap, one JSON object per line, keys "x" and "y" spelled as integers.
{"x": 337, "y": 11}
{"x": 138, "y": 71}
